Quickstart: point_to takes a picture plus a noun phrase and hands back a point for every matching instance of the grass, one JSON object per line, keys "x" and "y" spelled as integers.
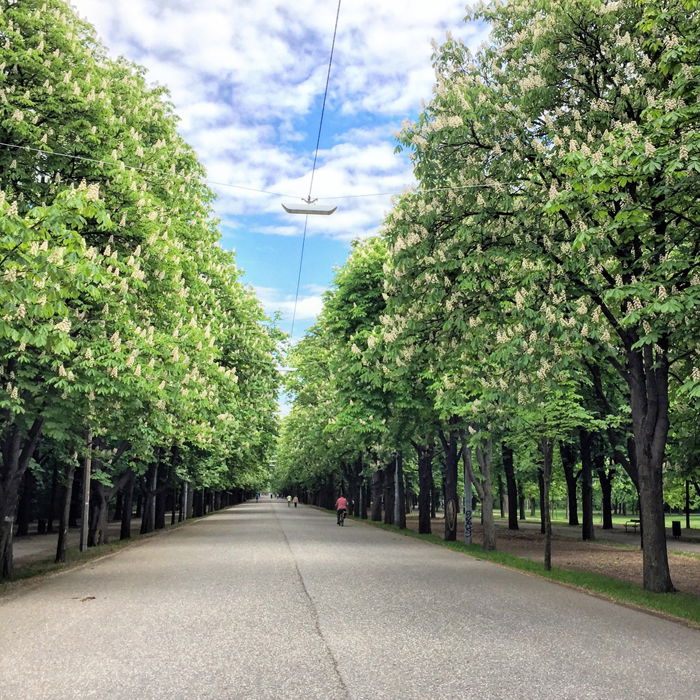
{"x": 682, "y": 606}
{"x": 559, "y": 518}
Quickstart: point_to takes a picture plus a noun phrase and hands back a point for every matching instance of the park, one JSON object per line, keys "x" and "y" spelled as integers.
{"x": 491, "y": 349}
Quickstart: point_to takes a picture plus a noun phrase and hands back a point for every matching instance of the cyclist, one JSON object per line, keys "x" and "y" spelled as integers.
{"x": 341, "y": 507}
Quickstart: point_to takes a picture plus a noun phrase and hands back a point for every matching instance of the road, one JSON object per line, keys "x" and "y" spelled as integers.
{"x": 267, "y": 601}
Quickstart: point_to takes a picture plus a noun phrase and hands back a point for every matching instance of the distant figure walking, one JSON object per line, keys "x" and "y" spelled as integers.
{"x": 257, "y": 497}
{"x": 289, "y": 501}
{"x": 296, "y": 501}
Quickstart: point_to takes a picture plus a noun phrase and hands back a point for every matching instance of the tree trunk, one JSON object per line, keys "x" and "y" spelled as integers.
{"x": 364, "y": 497}
{"x": 521, "y": 501}
{"x": 568, "y": 460}
{"x": 512, "y": 486}
{"x": 648, "y": 382}
{"x": 65, "y": 513}
{"x": 389, "y": 476}
{"x": 377, "y": 488}
{"x": 540, "y": 483}
{"x": 586, "y": 445}
{"x": 466, "y": 455}
{"x": 484, "y": 459}
{"x": 182, "y": 515}
{"x": 127, "y": 508}
{"x": 399, "y": 495}
{"x": 17, "y": 450}
{"x": 118, "y": 506}
{"x": 450, "y": 445}
{"x": 501, "y": 497}
{"x": 98, "y": 522}
{"x": 24, "y": 508}
{"x": 51, "y": 505}
{"x": 605, "y": 477}
{"x": 425, "y": 480}
{"x": 546, "y": 448}
{"x": 687, "y": 504}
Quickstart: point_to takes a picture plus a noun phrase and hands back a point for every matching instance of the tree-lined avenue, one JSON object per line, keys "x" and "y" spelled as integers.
{"x": 262, "y": 600}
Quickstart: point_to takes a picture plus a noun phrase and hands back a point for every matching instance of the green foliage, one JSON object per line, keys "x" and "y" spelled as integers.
{"x": 119, "y": 312}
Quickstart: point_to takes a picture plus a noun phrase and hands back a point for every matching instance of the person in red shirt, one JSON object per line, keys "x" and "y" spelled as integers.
{"x": 341, "y": 506}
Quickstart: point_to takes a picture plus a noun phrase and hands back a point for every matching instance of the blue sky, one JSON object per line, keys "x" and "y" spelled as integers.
{"x": 247, "y": 79}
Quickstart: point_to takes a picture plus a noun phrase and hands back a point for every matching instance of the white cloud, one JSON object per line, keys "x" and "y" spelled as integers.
{"x": 308, "y": 306}
{"x": 242, "y": 76}
{"x": 247, "y": 79}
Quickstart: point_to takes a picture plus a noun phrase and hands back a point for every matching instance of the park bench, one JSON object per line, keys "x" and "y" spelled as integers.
{"x": 634, "y": 524}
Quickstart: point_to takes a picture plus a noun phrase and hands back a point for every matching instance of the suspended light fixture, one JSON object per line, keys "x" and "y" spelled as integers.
{"x": 309, "y": 208}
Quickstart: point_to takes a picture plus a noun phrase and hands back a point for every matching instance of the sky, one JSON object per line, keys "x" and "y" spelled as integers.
{"x": 247, "y": 79}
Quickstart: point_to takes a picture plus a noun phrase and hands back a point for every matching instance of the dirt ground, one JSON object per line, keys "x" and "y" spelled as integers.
{"x": 617, "y": 561}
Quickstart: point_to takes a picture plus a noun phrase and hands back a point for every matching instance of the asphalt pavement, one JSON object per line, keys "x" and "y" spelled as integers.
{"x": 267, "y": 601}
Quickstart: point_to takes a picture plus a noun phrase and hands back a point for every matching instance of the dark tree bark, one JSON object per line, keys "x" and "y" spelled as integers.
{"x": 366, "y": 498}
{"x": 51, "y": 505}
{"x": 425, "y": 480}
{"x": 540, "y": 483}
{"x": 586, "y": 445}
{"x": 568, "y": 460}
{"x": 450, "y": 446}
{"x": 61, "y": 545}
{"x": 17, "y": 449}
{"x": 546, "y": 448}
{"x": 521, "y": 501}
{"x": 148, "y": 518}
{"x": 118, "y": 506}
{"x": 648, "y": 382}
{"x": 97, "y": 533}
{"x": 127, "y": 508}
{"x": 605, "y": 477}
{"x": 389, "y": 492}
{"x": 482, "y": 485}
{"x": 434, "y": 496}
{"x": 26, "y": 502}
{"x": 377, "y": 489}
{"x": 512, "y": 486}
{"x": 501, "y": 496}
{"x": 399, "y": 494}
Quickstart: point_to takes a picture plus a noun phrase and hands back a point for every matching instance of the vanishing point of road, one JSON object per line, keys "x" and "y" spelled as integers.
{"x": 267, "y": 601}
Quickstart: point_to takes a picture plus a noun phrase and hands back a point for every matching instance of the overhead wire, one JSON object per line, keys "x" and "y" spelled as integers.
{"x": 313, "y": 168}
{"x": 165, "y": 174}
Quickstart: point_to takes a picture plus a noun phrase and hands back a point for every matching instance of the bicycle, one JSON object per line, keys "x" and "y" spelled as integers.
{"x": 341, "y": 518}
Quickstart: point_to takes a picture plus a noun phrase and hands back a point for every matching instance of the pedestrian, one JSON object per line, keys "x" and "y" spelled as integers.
{"x": 257, "y": 497}
{"x": 289, "y": 501}
{"x": 296, "y": 501}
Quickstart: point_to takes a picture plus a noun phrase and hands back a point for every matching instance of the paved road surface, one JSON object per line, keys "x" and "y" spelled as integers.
{"x": 266, "y": 601}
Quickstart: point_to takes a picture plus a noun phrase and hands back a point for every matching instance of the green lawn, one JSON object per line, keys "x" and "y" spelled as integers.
{"x": 560, "y": 517}
{"x": 682, "y": 606}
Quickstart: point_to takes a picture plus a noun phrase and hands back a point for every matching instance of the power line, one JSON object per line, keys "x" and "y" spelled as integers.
{"x": 313, "y": 168}
{"x": 325, "y": 96}
{"x": 165, "y": 174}
{"x": 301, "y": 259}
{"x": 151, "y": 171}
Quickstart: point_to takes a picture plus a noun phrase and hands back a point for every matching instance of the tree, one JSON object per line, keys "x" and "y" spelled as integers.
{"x": 580, "y": 120}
